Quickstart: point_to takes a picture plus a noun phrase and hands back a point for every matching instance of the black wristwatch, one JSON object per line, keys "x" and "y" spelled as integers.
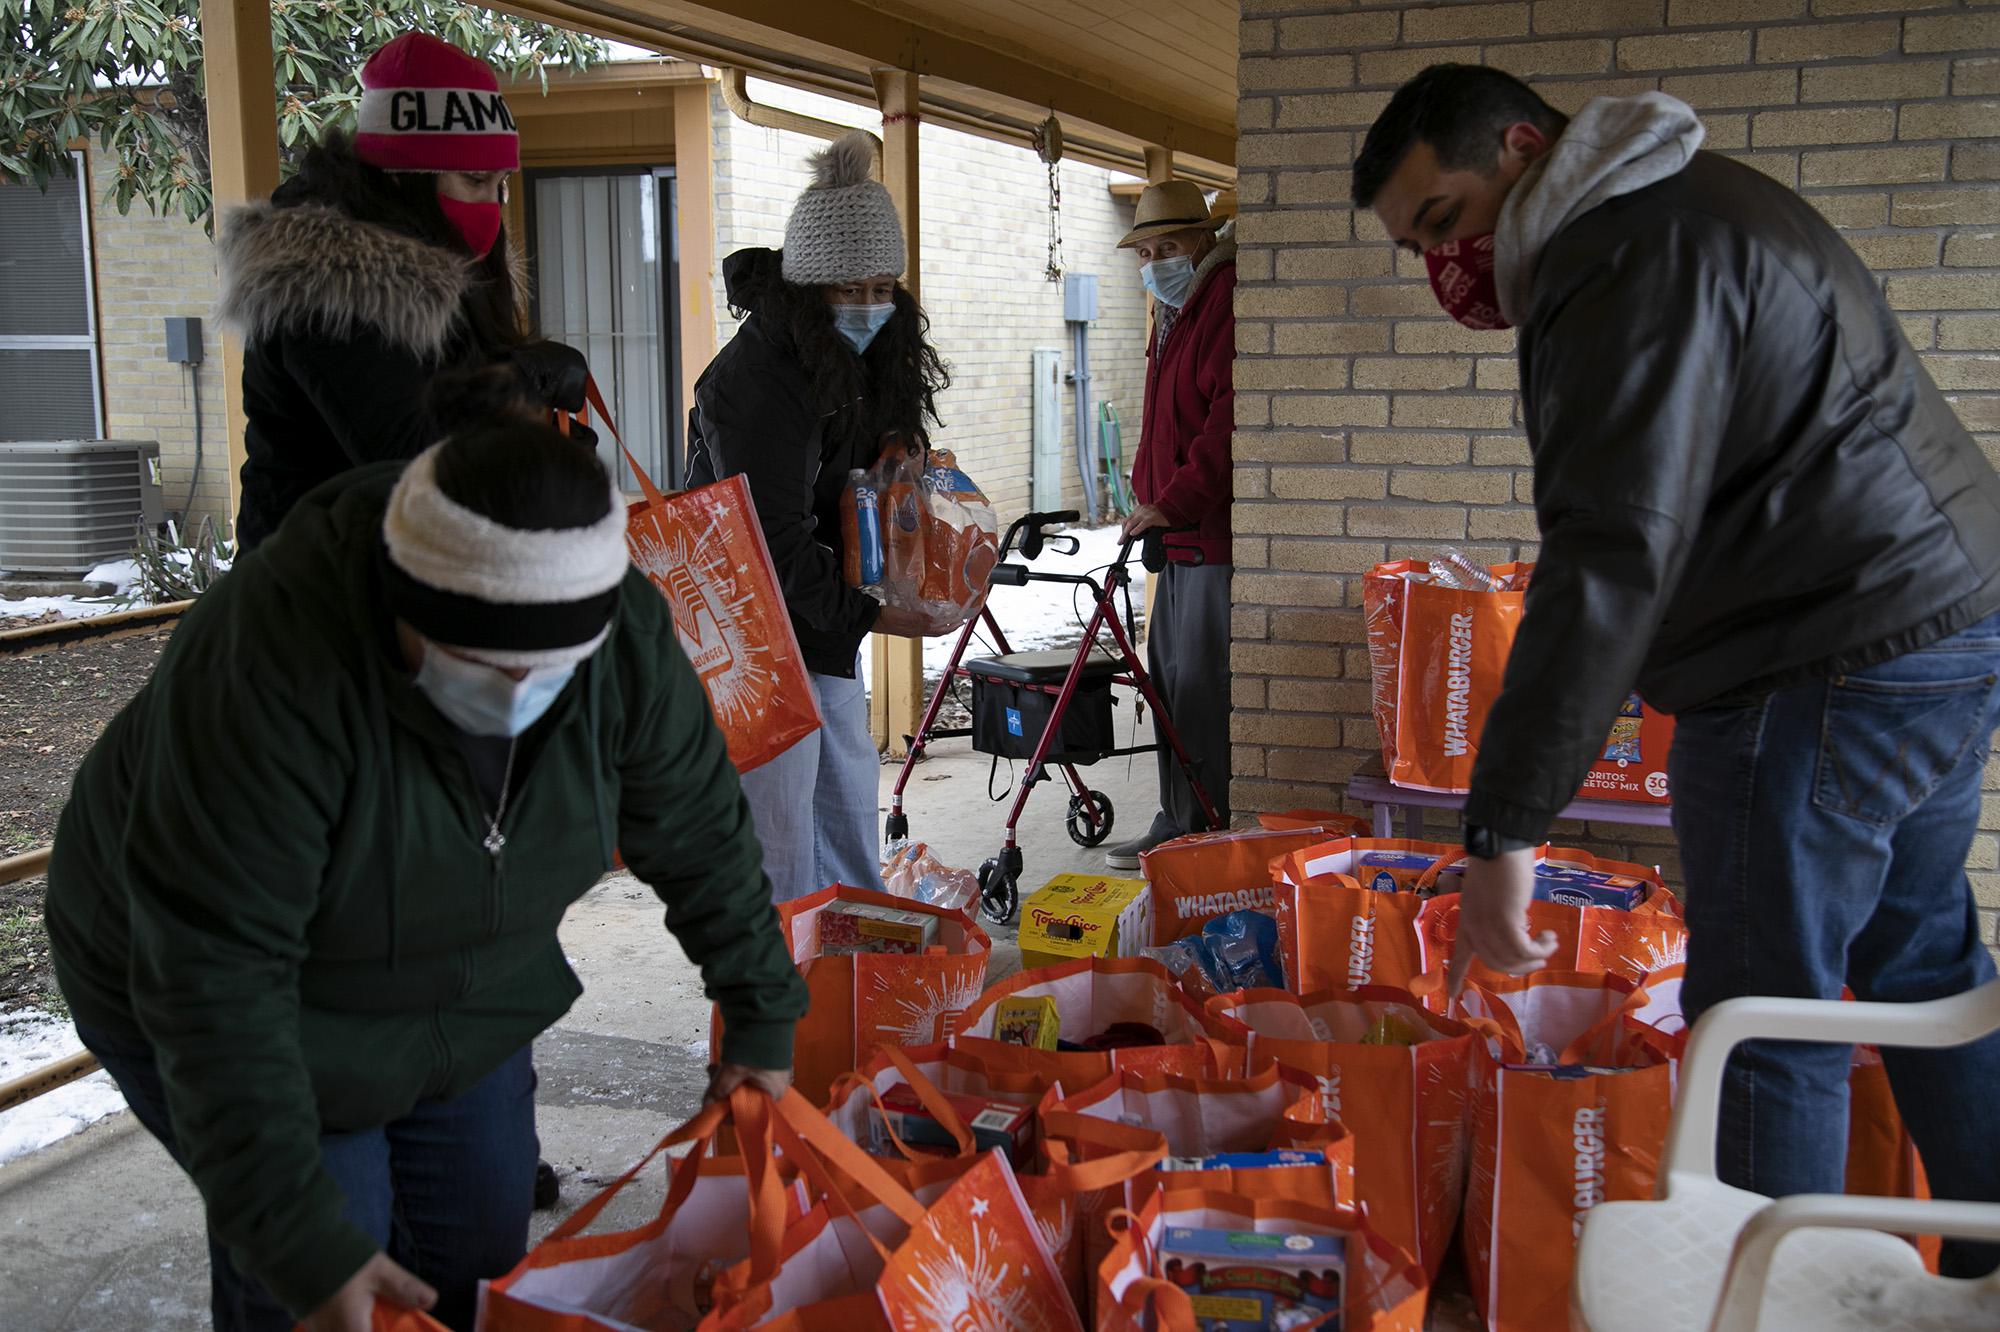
{"x": 1485, "y": 844}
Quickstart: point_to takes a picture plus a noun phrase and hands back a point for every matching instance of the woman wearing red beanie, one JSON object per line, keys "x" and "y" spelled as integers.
{"x": 381, "y": 263}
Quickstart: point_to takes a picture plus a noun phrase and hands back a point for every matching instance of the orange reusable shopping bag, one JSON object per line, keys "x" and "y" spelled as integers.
{"x": 970, "y": 1255}
{"x": 1382, "y": 1288}
{"x": 1053, "y": 1193}
{"x": 1200, "y": 1117}
{"x": 718, "y": 1212}
{"x": 862, "y": 1000}
{"x": 1098, "y": 998}
{"x": 1437, "y": 656}
{"x": 1333, "y": 932}
{"x": 1395, "y": 1075}
{"x": 1547, "y": 1146}
{"x": 1205, "y": 875}
{"x": 706, "y": 553}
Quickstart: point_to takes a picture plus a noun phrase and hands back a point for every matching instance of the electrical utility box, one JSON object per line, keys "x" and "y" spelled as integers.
{"x": 1046, "y": 486}
{"x": 184, "y": 340}
{"x": 1080, "y": 298}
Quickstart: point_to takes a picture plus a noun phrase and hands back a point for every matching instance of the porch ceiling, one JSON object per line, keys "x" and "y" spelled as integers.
{"x": 1120, "y": 74}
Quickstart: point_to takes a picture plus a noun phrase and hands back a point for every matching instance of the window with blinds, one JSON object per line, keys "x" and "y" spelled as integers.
{"x": 605, "y": 257}
{"x": 48, "y": 319}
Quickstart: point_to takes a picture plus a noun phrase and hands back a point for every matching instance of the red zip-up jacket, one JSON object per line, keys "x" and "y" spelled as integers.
{"x": 1183, "y": 463}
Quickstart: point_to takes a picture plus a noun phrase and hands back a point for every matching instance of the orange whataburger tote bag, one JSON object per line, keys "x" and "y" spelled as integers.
{"x": 971, "y": 1256}
{"x": 1381, "y": 1287}
{"x": 1204, "y": 875}
{"x": 1436, "y": 655}
{"x": 670, "y": 1272}
{"x": 1395, "y": 1075}
{"x": 1549, "y": 1145}
{"x": 1096, "y": 997}
{"x": 705, "y": 552}
{"x": 862, "y": 1000}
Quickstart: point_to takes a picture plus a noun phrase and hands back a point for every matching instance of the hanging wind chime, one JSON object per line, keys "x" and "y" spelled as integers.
{"x": 1048, "y": 142}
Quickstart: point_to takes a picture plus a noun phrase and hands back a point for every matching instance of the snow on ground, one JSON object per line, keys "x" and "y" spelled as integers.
{"x": 1040, "y": 615}
{"x": 121, "y": 575}
{"x": 30, "y": 1040}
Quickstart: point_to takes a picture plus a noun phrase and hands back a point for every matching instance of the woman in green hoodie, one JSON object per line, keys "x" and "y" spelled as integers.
{"x": 305, "y": 893}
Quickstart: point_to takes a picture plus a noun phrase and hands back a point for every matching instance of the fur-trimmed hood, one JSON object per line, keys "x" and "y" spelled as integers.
{"x": 1223, "y": 253}
{"x": 312, "y": 268}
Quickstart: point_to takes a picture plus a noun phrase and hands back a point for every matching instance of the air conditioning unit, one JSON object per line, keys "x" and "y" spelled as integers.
{"x": 67, "y": 506}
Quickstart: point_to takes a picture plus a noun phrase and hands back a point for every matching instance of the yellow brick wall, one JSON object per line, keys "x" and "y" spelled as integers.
{"x": 149, "y": 268}
{"x": 985, "y": 237}
{"x": 1370, "y": 427}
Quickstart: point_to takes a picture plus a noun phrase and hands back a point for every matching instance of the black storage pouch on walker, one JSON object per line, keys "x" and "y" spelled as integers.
{"x": 1013, "y": 698}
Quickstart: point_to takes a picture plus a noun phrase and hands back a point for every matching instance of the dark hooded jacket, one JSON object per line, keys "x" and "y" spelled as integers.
{"x": 754, "y": 413}
{"x": 272, "y": 870}
{"x": 1744, "y": 476}
{"x": 345, "y": 325}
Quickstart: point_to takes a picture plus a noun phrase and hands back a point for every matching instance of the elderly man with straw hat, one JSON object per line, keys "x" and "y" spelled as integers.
{"x": 1181, "y": 476}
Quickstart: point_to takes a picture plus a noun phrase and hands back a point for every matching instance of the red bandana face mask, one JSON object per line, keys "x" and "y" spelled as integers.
{"x": 477, "y": 223}
{"x": 1463, "y": 281}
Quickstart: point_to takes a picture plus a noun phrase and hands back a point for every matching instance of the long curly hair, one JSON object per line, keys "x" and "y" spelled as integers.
{"x": 895, "y": 383}
{"x": 406, "y": 201}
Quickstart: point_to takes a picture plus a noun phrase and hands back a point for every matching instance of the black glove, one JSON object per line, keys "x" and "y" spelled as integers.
{"x": 579, "y": 433}
{"x": 554, "y": 373}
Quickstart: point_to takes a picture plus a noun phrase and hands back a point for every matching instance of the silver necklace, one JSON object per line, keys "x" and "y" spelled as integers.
{"x": 495, "y": 839}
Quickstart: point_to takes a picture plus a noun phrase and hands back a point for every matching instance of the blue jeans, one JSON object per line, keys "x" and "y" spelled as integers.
{"x": 446, "y": 1190}
{"x": 815, "y": 805}
{"x": 1824, "y": 831}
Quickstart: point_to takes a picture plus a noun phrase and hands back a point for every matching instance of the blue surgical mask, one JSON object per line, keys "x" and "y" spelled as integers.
{"x": 860, "y": 323}
{"x": 482, "y": 700}
{"x": 1169, "y": 280}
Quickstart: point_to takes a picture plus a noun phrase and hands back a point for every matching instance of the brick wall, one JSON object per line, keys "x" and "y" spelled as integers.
{"x": 1370, "y": 427}
{"x": 147, "y": 269}
{"x": 985, "y": 237}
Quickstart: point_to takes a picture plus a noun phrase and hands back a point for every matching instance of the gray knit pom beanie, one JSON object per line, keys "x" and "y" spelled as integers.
{"x": 844, "y": 227}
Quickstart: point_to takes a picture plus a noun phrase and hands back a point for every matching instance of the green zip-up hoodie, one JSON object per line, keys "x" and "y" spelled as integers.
{"x": 271, "y": 868}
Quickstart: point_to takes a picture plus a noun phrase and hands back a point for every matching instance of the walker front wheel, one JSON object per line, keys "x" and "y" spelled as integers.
{"x": 1081, "y": 830}
{"x": 999, "y": 892}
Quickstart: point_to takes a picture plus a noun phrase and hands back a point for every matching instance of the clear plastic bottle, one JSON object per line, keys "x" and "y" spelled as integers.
{"x": 1453, "y": 568}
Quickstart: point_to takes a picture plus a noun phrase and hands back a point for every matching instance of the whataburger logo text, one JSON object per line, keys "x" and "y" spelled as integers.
{"x": 1221, "y": 904}
{"x": 435, "y": 111}
{"x": 1458, "y": 686}
{"x": 1587, "y": 1135}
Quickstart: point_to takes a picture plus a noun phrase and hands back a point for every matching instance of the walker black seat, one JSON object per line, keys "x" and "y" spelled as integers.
{"x": 1045, "y": 668}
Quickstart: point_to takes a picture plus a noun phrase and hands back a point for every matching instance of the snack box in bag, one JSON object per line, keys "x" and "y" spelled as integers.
{"x": 995, "y": 1125}
{"x": 1249, "y": 1281}
{"x": 1034, "y": 1022}
{"x": 865, "y": 927}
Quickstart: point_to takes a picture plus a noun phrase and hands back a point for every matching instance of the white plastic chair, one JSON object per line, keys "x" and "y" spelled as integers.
{"x": 1706, "y": 1257}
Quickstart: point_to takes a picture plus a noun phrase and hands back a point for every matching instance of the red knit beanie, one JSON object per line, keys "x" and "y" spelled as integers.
{"x": 428, "y": 106}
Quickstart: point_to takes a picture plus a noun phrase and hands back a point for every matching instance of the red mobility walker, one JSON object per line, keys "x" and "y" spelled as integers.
{"x": 1051, "y": 708}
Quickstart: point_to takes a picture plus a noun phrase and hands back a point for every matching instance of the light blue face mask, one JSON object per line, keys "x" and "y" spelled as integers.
{"x": 1169, "y": 280}
{"x": 860, "y": 323}
{"x": 482, "y": 700}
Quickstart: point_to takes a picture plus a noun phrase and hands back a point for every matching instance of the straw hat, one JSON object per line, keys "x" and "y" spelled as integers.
{"x": 1174, "y": 206}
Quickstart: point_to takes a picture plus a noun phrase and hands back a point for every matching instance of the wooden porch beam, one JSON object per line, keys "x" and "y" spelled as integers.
{"x": 895, "y": 709}
{"x": 242, "y": 101}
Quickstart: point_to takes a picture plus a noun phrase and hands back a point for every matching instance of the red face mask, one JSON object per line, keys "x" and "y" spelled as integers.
{"x": 1463, "y": 281}
{"x": 478, "y": 224}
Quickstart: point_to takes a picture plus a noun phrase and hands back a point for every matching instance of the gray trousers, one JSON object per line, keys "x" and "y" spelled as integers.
{"x": 815, "y": 804}
{"x": 1187, "y": 652}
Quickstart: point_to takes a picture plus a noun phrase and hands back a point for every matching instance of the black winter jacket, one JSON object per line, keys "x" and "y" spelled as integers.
{"x": 754, "y": 413}
{"x": 1744, "y": 477}
{"x": 345, "y": 325}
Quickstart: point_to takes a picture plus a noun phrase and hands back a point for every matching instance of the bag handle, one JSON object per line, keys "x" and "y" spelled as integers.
{"x": 749, "y": 1109}
{"x": 813, "y": 1141}
{"x": 1503, "y": 1029}
{"x": 1575, "y": 1051}
{"x": 928, "y": 1096}
{"x": 1134, "y": 1150}
{"x": 594, "y": 398}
